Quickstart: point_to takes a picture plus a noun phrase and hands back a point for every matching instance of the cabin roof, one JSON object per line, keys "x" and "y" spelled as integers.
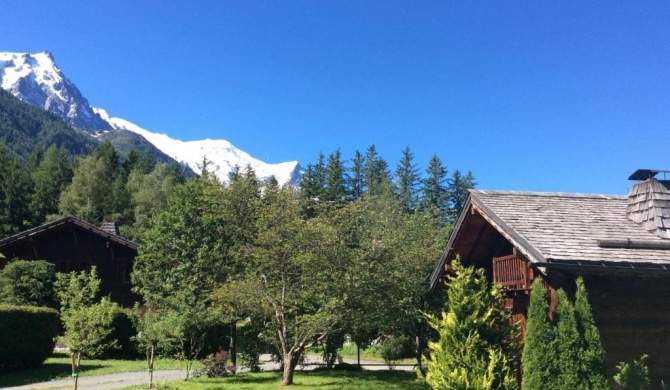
{"x": 52, "y": 226}
{"x": 553, "y": 228}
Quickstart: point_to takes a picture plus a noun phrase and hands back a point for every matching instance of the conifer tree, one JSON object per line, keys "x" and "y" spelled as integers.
{"x": 51, "y": 177}
{"x": 15, "y": 187}
{"x": 457, "y": 193}
{"x": 540, "y": 354}
{"x": 407, "y": 177}
{"x": 335, "y": 190}
{"x": 356, "y": 179}
{"x": 469, "y": 354}
{"x": 376, "y": 175}
{"x": 592, "y": 354}
{"x": 434, "y": 188}
{"x": 568, "y": 344}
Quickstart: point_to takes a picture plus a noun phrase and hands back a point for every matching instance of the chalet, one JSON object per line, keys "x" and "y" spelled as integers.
{"x": 74, "y": 245}
{"x": 620, "y": 245}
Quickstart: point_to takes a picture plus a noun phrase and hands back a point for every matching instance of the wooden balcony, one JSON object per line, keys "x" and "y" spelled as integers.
{"x": 512, "y": 272}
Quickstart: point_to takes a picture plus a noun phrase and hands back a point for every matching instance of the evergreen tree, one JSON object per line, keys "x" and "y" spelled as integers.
{"x": 592, "y": 354}
{"x": 407, "y": 178}
{"x": 90, "y": 195}
{"x": 457, "y": 193}
{"x": 356, "y": 179}
{"x": 540, "y": 354}
{"x": 568, "y": 344}
{"x": 15, "y": 187}
{"x": 434, "y": 188}
{"x": 469, "y": 352}
{"x": 132, "y": 161}
{"x": 335, "y": 190}
{"x": 51, "y": 177}
{"x": 376, "y": 175}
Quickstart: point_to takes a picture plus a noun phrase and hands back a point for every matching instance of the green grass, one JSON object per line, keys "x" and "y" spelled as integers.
{"x": 59, "y": 366}
{"x": 305, "y": 380}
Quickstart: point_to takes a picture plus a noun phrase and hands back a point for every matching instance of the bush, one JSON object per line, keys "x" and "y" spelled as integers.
{"x": 396, "y": 348}
{"x": 123, "y": 332}
{"x": 633, "y": 375}
{"x": 26, "y": 335}
{"x": 28, "y": 283}
{"x": 214, "y": 365}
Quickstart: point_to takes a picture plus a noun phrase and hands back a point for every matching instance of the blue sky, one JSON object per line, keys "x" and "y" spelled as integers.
{"x": 555, "y": 96}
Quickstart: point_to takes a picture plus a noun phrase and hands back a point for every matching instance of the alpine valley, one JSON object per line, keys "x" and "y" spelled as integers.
{"x": 36, "y": 79}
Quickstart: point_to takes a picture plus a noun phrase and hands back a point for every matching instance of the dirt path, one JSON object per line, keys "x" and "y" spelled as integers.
{"x": 126, "y": 379}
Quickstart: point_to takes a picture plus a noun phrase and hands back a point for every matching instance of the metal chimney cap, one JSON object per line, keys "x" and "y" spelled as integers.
{"x": 646, "y": 174}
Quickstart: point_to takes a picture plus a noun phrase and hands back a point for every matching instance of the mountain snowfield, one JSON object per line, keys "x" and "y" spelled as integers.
{"x": 35, "y": 79}
{"x": 223, "y": 155}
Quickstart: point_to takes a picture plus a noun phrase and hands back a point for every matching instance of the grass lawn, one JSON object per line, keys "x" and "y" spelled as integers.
{"x": 305, "y": 380}
{"x": 60, "y": 366}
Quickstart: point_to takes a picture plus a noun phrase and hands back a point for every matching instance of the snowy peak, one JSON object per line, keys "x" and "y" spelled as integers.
{"x": 221, "y": 153}
{"x": 35, "y": 79}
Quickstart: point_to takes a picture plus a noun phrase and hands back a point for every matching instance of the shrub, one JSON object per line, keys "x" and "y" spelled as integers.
{"x": 123, "y": 332}
{"x": 26, "y": 335}
{"x": 28, "y": 283}
{"x": 395, "y": 348}
{"x": 633, "y": 375}
{"x": 214, "y": 365}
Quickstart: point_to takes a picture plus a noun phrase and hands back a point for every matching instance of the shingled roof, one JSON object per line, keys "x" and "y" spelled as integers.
{"x": 560, "y": 228}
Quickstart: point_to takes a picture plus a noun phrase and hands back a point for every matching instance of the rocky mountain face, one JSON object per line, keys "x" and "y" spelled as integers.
{"x": 35, "y": 79}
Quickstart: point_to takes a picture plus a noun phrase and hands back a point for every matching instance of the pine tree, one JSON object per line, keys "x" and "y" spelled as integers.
{"x": 407, "y": 178}
{"x": 568, "y": 344}
{"x": 335, "y": 190}
{"x": 51, "y": 177}
{"x": 356, "y": 179}
{"x": 469, "y": 353}
{"x": 15, "y": 187}
{"x": 540, "y": 354}
{"x": 592, "y": 354}
{"x": 376, "y": 175}
{"x": 434, "y": 188}
{"x": 457, "y": 193}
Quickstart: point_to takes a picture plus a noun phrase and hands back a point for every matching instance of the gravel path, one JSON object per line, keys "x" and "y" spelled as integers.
{"x": 126, "y": 379}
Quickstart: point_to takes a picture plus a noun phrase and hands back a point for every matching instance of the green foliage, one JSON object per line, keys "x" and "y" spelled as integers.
{"x": 28, "y": 283}
{"x": 592, "y": 354}
{"x": 215, "y": 365}
{"x": 26, "y": 335}
{"x": 566, "y": 354}
{"x": 540, "y": 354}
{"x": 407, "y": 179}
{"x": 469, "y": 353}
{"x": 457, "y": 193}
{"x": 395, "y": 348}
{"x": 50, "y": 178}
{"x": 15, "y": 188}
{"x": 25, "y": 128}
{"x": 633, "y": 375}
{"x": 434, "y": 189}
{"x": 77, "y": 289}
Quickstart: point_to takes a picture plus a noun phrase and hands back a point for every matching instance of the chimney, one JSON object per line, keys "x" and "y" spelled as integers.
{"x": 649, "y": 202}
{"x": 110, "y": 227}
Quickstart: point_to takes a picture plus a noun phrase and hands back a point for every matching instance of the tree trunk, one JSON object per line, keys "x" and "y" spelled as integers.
{"x": 233, "y": 343}
{"x": 290, "y": 361}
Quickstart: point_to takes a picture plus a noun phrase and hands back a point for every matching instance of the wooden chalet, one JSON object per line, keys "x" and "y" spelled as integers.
{"x": 74, "y": 245}
{"x": 620, "y": 245}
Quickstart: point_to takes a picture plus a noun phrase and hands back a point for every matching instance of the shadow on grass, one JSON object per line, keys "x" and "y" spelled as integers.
{"x": 249, "y": 378}
{"x": 45, "y": 372}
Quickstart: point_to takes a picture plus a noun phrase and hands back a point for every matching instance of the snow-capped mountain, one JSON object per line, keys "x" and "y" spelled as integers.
{"x": 35, "y": 79}
{"x": 222, "y": 154}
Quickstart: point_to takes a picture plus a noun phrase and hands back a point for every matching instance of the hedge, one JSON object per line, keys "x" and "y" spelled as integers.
{"x": 26, "y": 335}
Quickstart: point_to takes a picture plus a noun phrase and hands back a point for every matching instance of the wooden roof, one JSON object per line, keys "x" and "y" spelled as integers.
{"x": 558, "y": 228}
{"x": 72, "y": 221}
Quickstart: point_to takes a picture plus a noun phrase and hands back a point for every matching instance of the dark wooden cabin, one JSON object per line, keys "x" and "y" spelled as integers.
{"x": 620, "y": 245}
{"x": 74, "y": 245}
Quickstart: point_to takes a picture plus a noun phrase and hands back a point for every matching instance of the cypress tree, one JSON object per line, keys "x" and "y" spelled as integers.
{"x": 540, "y": 354}
{"x": 568, "y": 344}
{"x": 469, "y": 352}
{"x": 592, "y": 354}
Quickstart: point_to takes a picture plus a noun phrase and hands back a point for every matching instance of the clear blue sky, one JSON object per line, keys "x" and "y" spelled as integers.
{"x": 559, "y": 96}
